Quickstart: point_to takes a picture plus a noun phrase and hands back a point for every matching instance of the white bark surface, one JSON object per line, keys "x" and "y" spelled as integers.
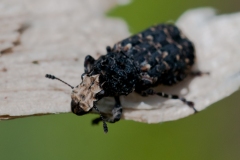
{"x": 54, "y": 36}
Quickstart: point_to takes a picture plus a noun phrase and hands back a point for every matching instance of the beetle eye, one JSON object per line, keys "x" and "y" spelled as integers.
{"x": 76, "y": 109}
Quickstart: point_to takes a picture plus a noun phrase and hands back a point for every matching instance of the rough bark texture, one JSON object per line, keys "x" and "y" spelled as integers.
{"x": 39, "y": 37}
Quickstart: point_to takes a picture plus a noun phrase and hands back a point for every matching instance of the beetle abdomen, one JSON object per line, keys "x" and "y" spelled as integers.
{"x": 163, "y": 53}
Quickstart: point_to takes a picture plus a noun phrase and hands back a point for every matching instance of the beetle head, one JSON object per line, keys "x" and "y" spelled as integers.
{"x": 84, "y": 95}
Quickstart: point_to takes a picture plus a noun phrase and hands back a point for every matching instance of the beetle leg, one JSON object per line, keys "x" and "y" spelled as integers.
{"x": 198, "y": 73}
{"x": 105, "y": 128}
{"x": 116, "y": 113}
{"x": 88, "y": 63}
{"x": 96, "y": 120}
{"x": 162, "y": 94}
{"x": 108, "y": 49}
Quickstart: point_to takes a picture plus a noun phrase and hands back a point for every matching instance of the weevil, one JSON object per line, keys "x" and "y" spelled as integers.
{"x": 159, "y": 55}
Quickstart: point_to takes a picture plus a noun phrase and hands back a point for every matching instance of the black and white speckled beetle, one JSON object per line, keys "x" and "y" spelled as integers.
{"x": 160, "y": 55}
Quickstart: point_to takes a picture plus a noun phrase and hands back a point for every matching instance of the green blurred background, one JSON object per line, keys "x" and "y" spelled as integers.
{"x": 213, "y": 134}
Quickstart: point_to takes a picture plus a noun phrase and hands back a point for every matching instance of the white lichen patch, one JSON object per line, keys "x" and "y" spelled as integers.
{"x": 57, "y": 40}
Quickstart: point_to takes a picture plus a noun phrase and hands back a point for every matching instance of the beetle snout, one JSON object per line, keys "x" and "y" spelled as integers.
{"x": 76, "y": 108}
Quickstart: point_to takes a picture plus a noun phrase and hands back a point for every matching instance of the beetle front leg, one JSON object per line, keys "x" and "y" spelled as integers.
{"x": 88, "y": 63}
{"x": 199, "y": 73}
{"x": 116, "y": 113}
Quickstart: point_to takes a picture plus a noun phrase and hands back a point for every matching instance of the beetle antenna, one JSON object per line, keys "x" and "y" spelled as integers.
{"x": 53, "y": 77}
{"x": 105, "y": 128}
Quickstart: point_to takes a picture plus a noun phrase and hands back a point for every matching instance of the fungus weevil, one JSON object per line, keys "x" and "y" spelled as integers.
{"x": 160, "y": 55}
